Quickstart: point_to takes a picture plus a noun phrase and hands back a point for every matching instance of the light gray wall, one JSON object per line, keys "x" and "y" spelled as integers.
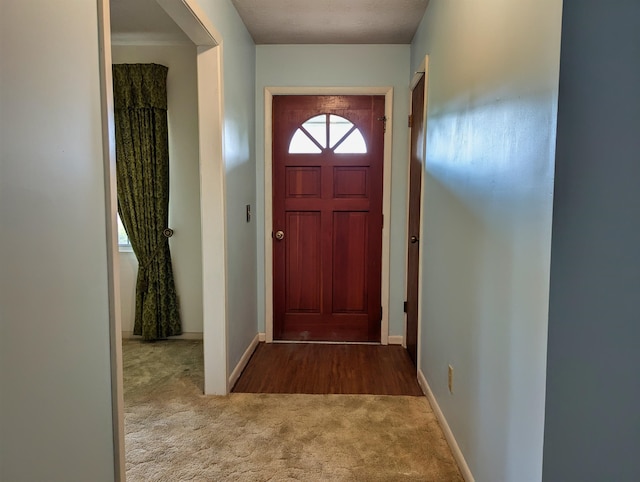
{"x": 592, "y": 426}
{"x": 184, "y": 178}
{"x": 55, "y": 395}
{"x": 493, "y": 86}
{"x": 239, "y": 54}
{"x": 55, "y": 402}
{"x": 339, "y": 66}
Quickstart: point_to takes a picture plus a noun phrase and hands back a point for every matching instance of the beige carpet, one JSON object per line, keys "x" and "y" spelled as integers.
{"x": 174, "y": 433}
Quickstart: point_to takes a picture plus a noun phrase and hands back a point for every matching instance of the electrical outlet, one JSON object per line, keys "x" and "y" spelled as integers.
{"x": 450, "y": 379}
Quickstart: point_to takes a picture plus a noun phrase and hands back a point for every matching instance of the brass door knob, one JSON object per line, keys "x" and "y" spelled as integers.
{"x": 279, "y": 235}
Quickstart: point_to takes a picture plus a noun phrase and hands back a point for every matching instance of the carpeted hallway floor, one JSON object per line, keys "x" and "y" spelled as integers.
{"x": 174, "y": 433}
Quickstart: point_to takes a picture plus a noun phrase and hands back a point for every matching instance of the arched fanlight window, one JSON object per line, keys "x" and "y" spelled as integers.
{"x": 327, "y": 132}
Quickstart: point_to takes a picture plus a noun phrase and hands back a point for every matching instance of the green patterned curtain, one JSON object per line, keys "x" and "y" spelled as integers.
{"x": 142, "y": 165}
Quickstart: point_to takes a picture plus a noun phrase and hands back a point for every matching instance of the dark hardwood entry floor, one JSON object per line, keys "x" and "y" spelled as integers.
{"x": 324, "y": 368}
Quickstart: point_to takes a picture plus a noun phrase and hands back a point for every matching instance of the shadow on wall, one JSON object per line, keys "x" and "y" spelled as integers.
{"x": 454, "y": 290}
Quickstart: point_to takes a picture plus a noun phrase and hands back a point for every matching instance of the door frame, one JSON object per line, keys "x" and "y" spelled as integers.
{"x": 188, "y": 15}
{"x": 269, "y": 92}
{"x": 423, "y": 71}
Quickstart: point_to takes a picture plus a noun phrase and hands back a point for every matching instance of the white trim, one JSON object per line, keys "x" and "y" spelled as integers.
{"x": 396, "y": 340}
{"x": 246, "y": 356}
{"x": 113, "y": 262}
{"x": 213, "y": 219}
{"x": 448, "y": 434}
{"x": 269, "y": 92}
{"x": 262, "y": 337}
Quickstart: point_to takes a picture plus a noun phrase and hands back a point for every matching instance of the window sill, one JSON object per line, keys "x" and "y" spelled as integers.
{"x": 125, "y": 249}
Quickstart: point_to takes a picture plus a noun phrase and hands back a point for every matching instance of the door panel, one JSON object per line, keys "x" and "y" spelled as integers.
{"x": 413, "y": 235}
{"x": 350, "y": 255}
{"x": 303, "y": 262}
{"x": 350, "y": 182}
{"x": 303, "y": 182}
{"x": 327, "y": 201}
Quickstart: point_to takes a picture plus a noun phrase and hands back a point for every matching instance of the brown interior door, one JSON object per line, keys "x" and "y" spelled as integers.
{"x": 413, "y": 235}
{"x": 327, "y": 217}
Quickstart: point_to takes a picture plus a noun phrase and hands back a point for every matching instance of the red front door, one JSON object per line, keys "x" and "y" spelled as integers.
{"x": 327, "y": 217}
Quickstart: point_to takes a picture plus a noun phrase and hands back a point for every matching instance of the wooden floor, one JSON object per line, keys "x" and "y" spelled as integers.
{"x": 324, "y": 368}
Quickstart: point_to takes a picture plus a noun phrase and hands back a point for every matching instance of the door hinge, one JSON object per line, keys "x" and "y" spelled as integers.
{"x": 383, "y": 119}
{"x": 410, "y": 120}
{"x": 406, "y": 306}
{"x": 381, "y": 314}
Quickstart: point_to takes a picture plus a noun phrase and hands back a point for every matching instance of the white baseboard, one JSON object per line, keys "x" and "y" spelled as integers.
{"x": 262, "y": 337}
{"x": 395, "y": 340}
{"x": 448, "y": 434}
{"x": 237, "y": 371}
{"x": 128, "y": 335}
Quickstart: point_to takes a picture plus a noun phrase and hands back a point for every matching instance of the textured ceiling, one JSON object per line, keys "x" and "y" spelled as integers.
{"x": 331, "y": 21}
{"x": 285, "y": 21}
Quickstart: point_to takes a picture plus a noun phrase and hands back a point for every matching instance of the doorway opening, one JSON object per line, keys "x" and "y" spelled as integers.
{"x": 195, "y": 24}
